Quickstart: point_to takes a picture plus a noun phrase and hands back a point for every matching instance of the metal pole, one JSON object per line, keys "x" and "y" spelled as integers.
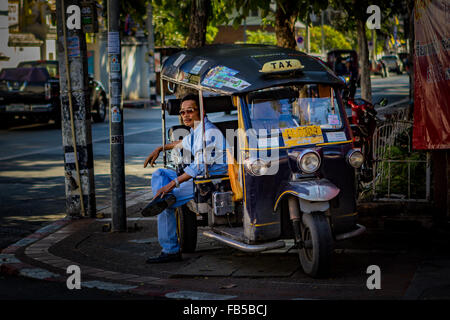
{"x": 323, "y": 34}
{"x": 308, "y": 37}
{"x": 151, "y": 53}
{"x": 202, "y": 118}
{"x": 119, "y": 219}
{"x": 374, "y": 49}
{"x": 163, "y": 121}
{"x": 245, "y": 30}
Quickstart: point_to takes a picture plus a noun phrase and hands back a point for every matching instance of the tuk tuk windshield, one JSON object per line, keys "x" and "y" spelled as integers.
{"x": 290, "y": 107}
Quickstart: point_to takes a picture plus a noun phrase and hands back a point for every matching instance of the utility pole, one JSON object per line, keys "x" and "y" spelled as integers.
{"x": 323, "y": 35}
{"x": 308, "y": 39}
{"x": 374, "y": 48}
{"x": 117, "y": 155}
{"x": 75, "y": 112}
{"x": 245, "y": 30}
{"x": 151, "y": 53}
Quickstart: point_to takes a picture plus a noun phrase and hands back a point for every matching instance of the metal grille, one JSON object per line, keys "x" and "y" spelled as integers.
{"x": 400, "y": 174}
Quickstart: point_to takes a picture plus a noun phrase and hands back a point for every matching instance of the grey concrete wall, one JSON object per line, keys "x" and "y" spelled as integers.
{"x": 135, "y": 75}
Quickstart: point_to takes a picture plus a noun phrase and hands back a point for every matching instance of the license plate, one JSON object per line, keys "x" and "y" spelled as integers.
{"x": 302, "y": 136}
{"x": 15, "y": 107}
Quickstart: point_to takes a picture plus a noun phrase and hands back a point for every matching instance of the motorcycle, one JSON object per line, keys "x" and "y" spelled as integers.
{"x": 363, "y": 122}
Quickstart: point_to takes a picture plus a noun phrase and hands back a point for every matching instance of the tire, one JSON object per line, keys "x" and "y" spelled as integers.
{"x": 316, "y": 260}
{"x": 100, "y": 114}
{"x": 186, "y": 229}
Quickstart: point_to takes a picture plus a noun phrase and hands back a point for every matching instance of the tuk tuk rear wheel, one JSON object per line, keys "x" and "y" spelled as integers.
{"x": 186, "y": 229}
{"x": 316, "y": 255}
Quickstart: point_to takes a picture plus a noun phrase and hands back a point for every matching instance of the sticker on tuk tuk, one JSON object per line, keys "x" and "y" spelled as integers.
{"x": 236, "y": 83}
{"x": 219, "y": 76}
{"x": 336, "y": 136}
{"x": 302, "y": 136}
{"x": 179, "y": 59}
{"x": 224, "y": 77}
{"x": 187, "y": 77}
{"x": 198, "y": 66}
{"x": 333, "y": 119}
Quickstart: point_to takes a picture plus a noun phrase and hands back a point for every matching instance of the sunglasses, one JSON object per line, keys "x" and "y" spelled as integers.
{"x": 187, "y": 111}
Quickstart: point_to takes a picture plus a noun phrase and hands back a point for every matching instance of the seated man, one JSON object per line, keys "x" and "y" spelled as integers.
{"x": 171, "y": 191}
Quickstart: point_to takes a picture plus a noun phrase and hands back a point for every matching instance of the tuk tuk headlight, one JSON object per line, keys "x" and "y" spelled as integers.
{"x": 308, "y": 161}
{"x": 355, "y": 158}
{"x": 257, "y": 167}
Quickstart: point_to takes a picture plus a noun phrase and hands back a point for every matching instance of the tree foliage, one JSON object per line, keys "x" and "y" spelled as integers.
{"x": 172, "y": 19}
{"x": 284, "y": 12}
{"x": 333, "y": 39}
{"x": 261, "y": 37}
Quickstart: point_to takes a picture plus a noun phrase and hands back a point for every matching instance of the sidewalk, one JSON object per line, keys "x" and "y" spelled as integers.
{"x": 116, "y": 262}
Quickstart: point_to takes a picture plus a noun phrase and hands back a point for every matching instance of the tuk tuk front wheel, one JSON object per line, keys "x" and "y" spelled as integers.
{"x": 316, "y": 254}
{"x": 186, "y": 229}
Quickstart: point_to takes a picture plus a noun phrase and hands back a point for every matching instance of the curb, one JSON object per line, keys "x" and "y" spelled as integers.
{"x": 36, "y": 247}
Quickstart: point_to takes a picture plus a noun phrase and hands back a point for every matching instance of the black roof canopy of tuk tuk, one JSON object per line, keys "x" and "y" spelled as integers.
{"x": 235, "y": 68}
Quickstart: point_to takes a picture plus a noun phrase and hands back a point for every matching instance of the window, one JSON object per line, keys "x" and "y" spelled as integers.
{"x": 290, "y": 107}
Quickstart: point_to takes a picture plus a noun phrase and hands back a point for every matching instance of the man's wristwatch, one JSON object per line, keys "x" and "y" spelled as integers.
{"x": 177, "y": 184}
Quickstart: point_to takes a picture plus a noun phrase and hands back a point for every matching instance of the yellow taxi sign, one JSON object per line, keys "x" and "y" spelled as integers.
{"x": 281, "y": 65}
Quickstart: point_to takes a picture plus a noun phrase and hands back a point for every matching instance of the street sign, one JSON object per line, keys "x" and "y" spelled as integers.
{"x": 89, "y": 17}
{"x": 300, "y": 40}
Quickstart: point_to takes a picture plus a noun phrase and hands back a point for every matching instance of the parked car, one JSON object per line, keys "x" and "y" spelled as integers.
{"x": 31, "y": 90}
{"x": 392, "y": 63}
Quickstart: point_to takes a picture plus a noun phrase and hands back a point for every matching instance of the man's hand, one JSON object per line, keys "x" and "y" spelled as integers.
{"x": 165, "y": 190}
{"x": 152, "y": 157}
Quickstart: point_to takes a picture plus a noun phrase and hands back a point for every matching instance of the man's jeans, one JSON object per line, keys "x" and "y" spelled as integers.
{"x": 167, "y": 222}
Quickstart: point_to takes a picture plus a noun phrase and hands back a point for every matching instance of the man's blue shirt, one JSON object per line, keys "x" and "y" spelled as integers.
{"x": 215, "y": 150}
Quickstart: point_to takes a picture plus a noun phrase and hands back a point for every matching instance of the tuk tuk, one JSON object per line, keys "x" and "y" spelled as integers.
{"x": 345, "y": 64}
{"x": 290, "y": 155}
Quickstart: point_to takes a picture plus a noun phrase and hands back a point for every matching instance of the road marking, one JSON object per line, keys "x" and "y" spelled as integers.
{"x": 25, "y": 154}
{"x": 197, "y": 295}
{"x": 6, "y": 258}
{"x": 109, "y": 286}
{"x": 130, "y": 219}
{"x": 37, "y": 273}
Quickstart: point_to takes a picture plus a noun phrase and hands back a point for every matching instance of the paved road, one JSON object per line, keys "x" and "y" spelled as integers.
{"x": 394, "y": 88}
{"x": 31, "y": 165}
